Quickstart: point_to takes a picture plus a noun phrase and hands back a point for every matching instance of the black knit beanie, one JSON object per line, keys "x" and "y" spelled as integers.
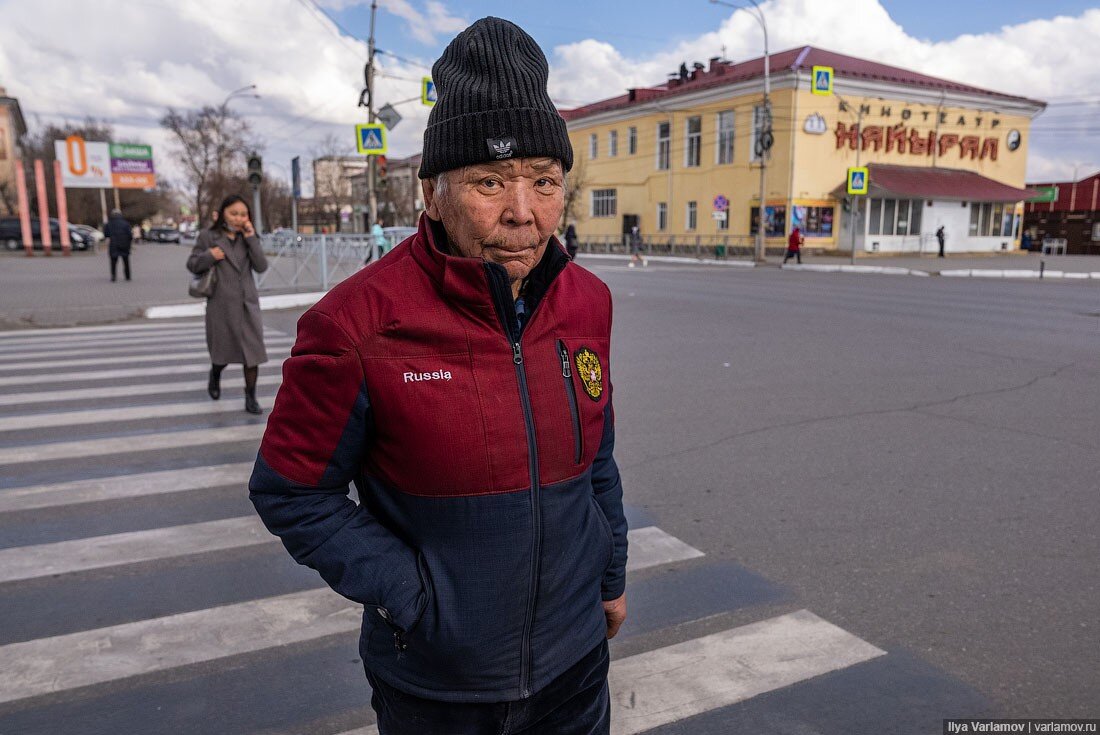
{"x": 492, "y": 102}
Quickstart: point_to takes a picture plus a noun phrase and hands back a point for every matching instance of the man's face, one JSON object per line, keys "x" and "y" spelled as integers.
{"x": 503, "y": 212}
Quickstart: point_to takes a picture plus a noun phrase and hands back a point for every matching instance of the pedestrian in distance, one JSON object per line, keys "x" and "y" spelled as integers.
{"x": 794, "y": 246}
{"x": 234, "y": 325}
{"x": 571, "y": 241}
{"x": 636, "y": 248}
{"x": 378, "y": 237}
{"x": 941, "y": 238}
{"x": 489, "y": 557}
{"x": 120, "y": 237}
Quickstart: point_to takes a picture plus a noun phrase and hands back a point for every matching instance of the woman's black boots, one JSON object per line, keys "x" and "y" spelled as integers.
{"x": 214, "y": 384}
{"x": 250, "y": 403}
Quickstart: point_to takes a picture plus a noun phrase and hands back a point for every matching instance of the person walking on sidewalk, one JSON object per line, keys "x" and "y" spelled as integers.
{"x": 572, "y": 243}
{"x": 636, "y": 247}
{"x": 489, "y": 557}
{"x": 120, "y": 236}
{"x": 794, "y": 246}
{"x": 941, "y": 237}
{"x": 234, "y": 325}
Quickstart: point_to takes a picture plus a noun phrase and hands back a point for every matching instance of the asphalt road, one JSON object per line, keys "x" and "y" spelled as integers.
{"x": 904, "y": 466}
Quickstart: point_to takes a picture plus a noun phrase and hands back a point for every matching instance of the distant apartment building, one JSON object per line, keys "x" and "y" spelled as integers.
{"x": 1066, "y": 210}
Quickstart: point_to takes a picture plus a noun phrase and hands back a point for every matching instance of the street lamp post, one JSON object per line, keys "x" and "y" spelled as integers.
{"x": 242, "y": 92}
{"x": 1073, "y": 188}
{"x": 765, "y": 123}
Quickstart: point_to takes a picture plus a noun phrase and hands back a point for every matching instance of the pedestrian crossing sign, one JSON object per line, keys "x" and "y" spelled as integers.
{"x": 428, "y": 93}
{"x": 822, "y": 82}
{"x": 858, "y": 180}
{"x": 370, "y": 139}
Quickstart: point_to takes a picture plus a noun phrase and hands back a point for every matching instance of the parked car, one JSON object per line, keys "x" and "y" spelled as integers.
{"x": 285, "y": 235}
{"x": 163, "y": 234}
{"x": 11, "y": 235}
{"x": 93, "y": 233}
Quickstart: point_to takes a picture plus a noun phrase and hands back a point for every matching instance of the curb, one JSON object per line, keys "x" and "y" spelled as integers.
{"x": 877, "y": 269}
{"x": 267, "y": 303}
{"x": 673, "y": 259}
{"x": 1013, "y": 273}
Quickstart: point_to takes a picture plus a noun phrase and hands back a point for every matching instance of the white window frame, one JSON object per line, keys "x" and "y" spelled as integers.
{"x": 666, "y": 142}
{"x": 691, "y": 216}
{"x": 632, "y": 140}
{"x": 662, "y": 216}
{"x": 693, "y": 142}
{"x": 593, "y": 146}
{"x": 721, "y": 145}
{"x": 608, "y": 199}
{"x": 612, "y": 143}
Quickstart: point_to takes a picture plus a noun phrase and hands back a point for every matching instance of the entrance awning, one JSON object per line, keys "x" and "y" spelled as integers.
{"x": 918, "y": 182}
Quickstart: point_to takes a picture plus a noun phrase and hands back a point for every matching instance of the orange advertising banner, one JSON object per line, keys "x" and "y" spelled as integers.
{"x": 133, "y": 181}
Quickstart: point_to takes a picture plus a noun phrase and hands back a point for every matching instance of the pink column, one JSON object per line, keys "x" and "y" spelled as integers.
{"x": 24, "y": 208}
{"x": 43, "y": 205}
{"x": 62, "y": 209}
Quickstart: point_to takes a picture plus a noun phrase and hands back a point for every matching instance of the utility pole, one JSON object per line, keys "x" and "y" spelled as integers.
{"x": 372, "y": 197}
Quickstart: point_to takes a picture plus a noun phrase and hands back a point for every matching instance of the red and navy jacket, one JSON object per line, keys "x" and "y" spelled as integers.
{"x": 490, "y": 524}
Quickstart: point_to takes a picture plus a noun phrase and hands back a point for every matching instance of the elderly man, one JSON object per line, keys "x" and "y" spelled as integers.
{"x": 463, "y": 384}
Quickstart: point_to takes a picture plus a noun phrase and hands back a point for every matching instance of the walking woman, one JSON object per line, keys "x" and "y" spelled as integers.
{"x": 234, "y": 329}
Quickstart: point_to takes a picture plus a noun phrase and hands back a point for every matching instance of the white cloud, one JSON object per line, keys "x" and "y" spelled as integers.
{"x": 1041, "y": 59}
{"x": 424, "y": 25}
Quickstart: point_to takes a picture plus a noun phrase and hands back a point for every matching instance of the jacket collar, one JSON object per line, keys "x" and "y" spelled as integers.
{"x": 222, "y": 239}
{"x": 467, "y": 279}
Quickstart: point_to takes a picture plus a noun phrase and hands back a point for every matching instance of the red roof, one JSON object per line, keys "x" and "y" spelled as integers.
{"x": 920, "y": 182}
{"x": 722, "y": 73}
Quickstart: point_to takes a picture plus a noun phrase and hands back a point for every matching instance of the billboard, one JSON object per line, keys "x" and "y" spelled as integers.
{"x": 87, "y": 165}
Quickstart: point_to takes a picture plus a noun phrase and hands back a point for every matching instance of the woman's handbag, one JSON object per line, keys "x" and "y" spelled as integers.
{"x": 203, "y": 285}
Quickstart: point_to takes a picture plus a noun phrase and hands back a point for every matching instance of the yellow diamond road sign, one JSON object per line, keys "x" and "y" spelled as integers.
{"x": 429, "y": 95}
{"x": 822, "y": 80}
{"x": 858, "y": 180}
{"x": 370, "y": 139}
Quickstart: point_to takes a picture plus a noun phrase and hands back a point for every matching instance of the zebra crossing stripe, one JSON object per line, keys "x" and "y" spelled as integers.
{"x": 104, "y": 329}
{"x": 195, "y": 343}
{"x": 648, "y": 547}
{"x": 192, "y": 355}
{"x": 670, "y": 684}
{"x": 82, "y": 375}
{"x": 7, "y": 348}
{"x": 129, "y": 444}
{"x": 127, "y": 391}
{"x": 199, "y": 407}
{"x": 124, "y": 486}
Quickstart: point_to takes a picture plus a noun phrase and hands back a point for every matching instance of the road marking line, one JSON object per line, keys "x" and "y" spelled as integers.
{"x": 113, "y": 374}
{"x": 123, "y": 486}
{"x": 650, "y": 547}
{"x": 67, "y": 557}
{"x": 13, "y": 346}
{"x": 133, "y": 547}
{"x": 190, "y": 355}
{"x": 127, "y": 391}
{"x": 672, "y": 683}
{"x": 139, "y": 327}
{"x": 130, "y": 444}
{"x": 198, "y": 407}
{"x": 669, "y": 684}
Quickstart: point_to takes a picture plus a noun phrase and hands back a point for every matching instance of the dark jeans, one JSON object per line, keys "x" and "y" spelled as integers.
{"x": 575, "y": 703}
{"x": 793, "y": 254}
{"x": 125, "y": 265}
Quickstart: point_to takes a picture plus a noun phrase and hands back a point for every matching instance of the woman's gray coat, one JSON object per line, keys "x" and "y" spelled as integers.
{"x": 234, "y": 327}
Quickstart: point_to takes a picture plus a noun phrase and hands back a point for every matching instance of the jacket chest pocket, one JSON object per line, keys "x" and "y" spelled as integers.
{"x": 586, "y": 386}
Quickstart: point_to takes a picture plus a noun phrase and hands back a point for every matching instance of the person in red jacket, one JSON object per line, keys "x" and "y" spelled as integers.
{"x": 794, "y": 246}
{"x": 463, "y": 384}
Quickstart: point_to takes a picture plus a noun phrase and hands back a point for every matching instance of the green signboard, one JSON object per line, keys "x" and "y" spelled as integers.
{"x": 129, "y": 150}
{"x": 1044, "y": 194}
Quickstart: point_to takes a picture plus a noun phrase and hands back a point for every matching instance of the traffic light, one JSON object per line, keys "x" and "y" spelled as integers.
{"x": 255, "y": 170}
{"x": 381, "y": 163}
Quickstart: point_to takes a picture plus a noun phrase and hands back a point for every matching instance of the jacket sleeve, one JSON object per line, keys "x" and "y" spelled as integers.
{"x": 311, "y": 450}
{"x": 256, "y": 253}
{"x": 201, "y": 260}
{"x": 608, "y": 489}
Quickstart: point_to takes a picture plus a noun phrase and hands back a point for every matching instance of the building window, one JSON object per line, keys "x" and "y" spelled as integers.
{"x": 662, "y": 216}
{"x": 975, "y": 211}
{"x": 693, "y": 141}
{"x": 758, "y": 124}
{"x": 995, "y": 220}
{"x": 894, "y": 216}
{"x": 603, "y": 203}
{"x": 724, "y": 152}
{"x": 776, "y": 220}
{"x": 593, "y": 145}
{"x": 664, "y": 133}
{"x": 692, "y": 217}
{"x": 813, "y": 221}
{"x": 613, "y": 143}
{"x": 632, "y": 140}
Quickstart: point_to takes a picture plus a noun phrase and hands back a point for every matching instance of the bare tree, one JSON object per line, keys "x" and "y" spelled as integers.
{"x": 575, "y": 181}
{"x": 210, "y": 144}
{"x": 332, "y": 189}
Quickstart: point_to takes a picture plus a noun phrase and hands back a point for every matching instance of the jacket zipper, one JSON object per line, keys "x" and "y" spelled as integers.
{"x": 533, "y": 468}
{"x": 571, "y": 391}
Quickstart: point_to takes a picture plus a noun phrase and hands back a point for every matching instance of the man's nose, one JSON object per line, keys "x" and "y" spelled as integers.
{"x": 519, "y": 210}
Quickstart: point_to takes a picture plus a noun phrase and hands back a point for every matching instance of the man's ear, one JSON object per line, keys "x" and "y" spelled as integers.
{"x": 431, "y": 204}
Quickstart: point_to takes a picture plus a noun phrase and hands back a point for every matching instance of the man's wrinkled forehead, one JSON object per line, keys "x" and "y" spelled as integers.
{"x": 514, "y": 167}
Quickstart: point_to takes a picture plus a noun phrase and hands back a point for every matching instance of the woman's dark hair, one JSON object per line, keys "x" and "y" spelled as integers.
{"x": 229, "y": 201}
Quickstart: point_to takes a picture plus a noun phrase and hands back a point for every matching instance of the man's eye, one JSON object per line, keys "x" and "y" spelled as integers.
{"x": 490, "y": 183}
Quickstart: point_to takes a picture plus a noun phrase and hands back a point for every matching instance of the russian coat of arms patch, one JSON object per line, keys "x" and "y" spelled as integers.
{"x": 590, "y": 372}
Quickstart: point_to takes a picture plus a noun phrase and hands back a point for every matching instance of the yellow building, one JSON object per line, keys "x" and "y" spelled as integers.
{"x": 12, "y": 129}
{"x": 940, "y": 154}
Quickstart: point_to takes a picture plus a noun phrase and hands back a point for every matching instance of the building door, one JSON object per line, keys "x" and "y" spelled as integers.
{"x": 630, "y": 221}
